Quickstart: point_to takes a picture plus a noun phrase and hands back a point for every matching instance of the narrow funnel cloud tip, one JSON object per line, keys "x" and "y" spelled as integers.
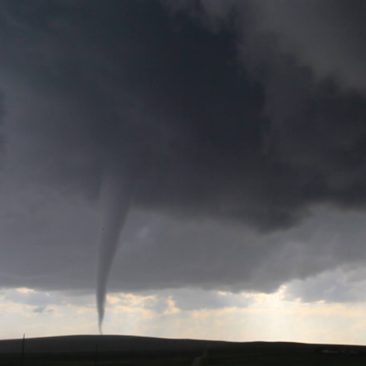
{"x": 115, "y": 200}
{"x": 100, "y": 326}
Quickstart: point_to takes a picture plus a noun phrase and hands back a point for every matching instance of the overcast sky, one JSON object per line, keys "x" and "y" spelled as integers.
{"x": 238, "y": 128}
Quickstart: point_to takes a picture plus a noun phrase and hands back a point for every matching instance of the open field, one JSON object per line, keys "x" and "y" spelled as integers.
{"x": 138, "y": 351}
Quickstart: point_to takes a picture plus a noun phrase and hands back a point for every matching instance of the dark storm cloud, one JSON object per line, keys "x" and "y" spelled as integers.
{"x": 2, "y": 147}
{"x": 169, "y": 101}
{"x": 213, "y": 114}
{"x": 328, "y": 35}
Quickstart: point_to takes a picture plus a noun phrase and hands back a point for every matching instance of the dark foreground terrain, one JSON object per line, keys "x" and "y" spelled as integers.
{"x": 126, "y": 350}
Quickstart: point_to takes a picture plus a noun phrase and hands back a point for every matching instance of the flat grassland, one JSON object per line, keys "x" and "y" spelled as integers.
{"x": 138, "y": 351}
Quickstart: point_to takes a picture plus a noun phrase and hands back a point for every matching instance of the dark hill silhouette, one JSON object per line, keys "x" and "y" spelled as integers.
{"x": 132, "y": 350}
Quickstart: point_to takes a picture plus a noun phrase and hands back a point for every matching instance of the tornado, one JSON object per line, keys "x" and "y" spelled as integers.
{"x": 115, "y": 202}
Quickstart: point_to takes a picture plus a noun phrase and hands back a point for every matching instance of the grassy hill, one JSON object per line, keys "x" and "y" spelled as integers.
{"x": 138, "y": 351}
